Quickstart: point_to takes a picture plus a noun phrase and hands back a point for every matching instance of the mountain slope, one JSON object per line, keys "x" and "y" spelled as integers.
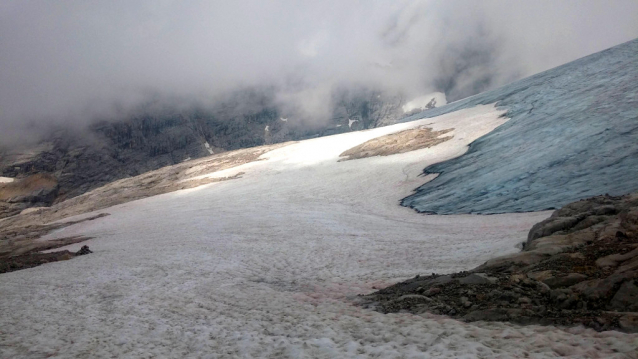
{"x": 161, "y": 136}
{"x": 270, "y": 265}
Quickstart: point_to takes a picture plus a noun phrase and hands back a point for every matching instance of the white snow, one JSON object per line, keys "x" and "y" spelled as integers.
{"x": 208, "y": 148}
{"x": 350, "y": 122}
{"x": 422, "y": 101}
{"x": 267, "y": 128}
{"x": 283, "y": 119}
{"x": 267, "y": 266}
{"x": 6, "y": 179}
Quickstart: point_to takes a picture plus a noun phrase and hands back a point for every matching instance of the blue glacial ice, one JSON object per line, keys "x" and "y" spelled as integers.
{"x": 572, "y": 134}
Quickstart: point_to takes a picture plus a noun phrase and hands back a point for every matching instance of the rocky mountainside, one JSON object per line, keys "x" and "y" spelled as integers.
{"x": 109, "y": 150}
{"x": 580, "y": 266}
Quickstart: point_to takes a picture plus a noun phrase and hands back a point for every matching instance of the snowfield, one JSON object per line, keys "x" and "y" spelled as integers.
{"x": 269, "y": 265}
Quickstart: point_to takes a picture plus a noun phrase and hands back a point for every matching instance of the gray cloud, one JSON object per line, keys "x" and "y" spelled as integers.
{"x": 70, "y": 62}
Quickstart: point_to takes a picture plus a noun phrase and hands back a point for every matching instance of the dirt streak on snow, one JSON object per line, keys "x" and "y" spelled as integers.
{"x": 266, "y": 266}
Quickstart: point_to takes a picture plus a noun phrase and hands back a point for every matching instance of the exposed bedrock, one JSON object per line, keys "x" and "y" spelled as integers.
{"x": 572, "y": 134}
{"x": 38, "y": 190}
{"x": 580, "y": 266}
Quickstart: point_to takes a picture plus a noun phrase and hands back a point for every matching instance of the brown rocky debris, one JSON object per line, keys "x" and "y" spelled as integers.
{"x": 35, "y": 257}
{"x": 39, "y": 190}
{"x": 400, "y": 142}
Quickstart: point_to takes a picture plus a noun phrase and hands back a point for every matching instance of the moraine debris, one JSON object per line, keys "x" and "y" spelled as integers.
{"x": 578, "y": 267}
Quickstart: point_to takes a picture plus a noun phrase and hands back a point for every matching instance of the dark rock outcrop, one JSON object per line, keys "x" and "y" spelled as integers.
{"x": 83, "y": 251}
{"x": 33, "y": 254}
{"x": 39, "y": 190}
{"x": 580, "y": 266}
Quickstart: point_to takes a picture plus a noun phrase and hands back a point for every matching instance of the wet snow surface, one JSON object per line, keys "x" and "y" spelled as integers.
{"x": 269, "y": 265}
{"x": 573, "y": 134}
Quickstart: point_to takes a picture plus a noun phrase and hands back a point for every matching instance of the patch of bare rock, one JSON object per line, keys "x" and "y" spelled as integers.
{"x": 21, "y": 249}
{"x": 38, "y": 190}
{"x": 578, "y": 267}
{"x": 33, "y": 259}
{"x": 400, "y": 142}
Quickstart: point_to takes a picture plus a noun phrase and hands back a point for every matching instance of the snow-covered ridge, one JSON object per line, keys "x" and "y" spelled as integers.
{"x": 267, "y": 266}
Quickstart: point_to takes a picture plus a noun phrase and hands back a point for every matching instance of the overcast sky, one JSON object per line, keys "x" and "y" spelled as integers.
{"x": 77, "y": 60}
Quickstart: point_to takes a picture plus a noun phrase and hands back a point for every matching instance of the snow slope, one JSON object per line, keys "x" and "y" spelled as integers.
{"x": 269, "y": 266}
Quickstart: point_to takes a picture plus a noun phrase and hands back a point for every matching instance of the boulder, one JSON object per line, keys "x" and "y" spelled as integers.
{"x": 626, "y": 298}
{"x": 487, "y": 315}
{"x": 540, "y": 276}
{"x": 564, "y": 281}
{"x": 415, "y": 297}
{"x": 516, "y": 259}
{"x": 628, "y": 266}
{"x": 551, "y": 226}
{"x": 613, "y": 260}
{"x": 84, "y": 250}
{"x": 599, "y": 288}
{"x": 425, "y": 282}
{"x": 628, "y": 322}
{"x": 444, "y": 279}
{"x": 478, "y": 278}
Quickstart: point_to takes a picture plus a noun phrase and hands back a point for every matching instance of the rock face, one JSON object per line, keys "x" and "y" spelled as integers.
{"x": 580, "y": 266}
{"x": 572, "y": 134}
{"x": 38, "y": 190}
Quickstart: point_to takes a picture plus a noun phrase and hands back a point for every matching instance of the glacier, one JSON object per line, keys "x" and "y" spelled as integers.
{"x": 269, "y": 265}
{"x": 572, "y": 134}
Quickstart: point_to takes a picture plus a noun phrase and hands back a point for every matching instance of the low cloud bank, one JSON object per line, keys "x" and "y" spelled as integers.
{"x": 73, "y": 62}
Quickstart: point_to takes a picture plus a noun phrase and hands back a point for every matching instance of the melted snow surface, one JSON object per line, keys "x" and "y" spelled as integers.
{"x": 268, "y": 265}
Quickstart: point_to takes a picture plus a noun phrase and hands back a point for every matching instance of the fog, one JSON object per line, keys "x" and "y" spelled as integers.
{"x": 72, "y": 62}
